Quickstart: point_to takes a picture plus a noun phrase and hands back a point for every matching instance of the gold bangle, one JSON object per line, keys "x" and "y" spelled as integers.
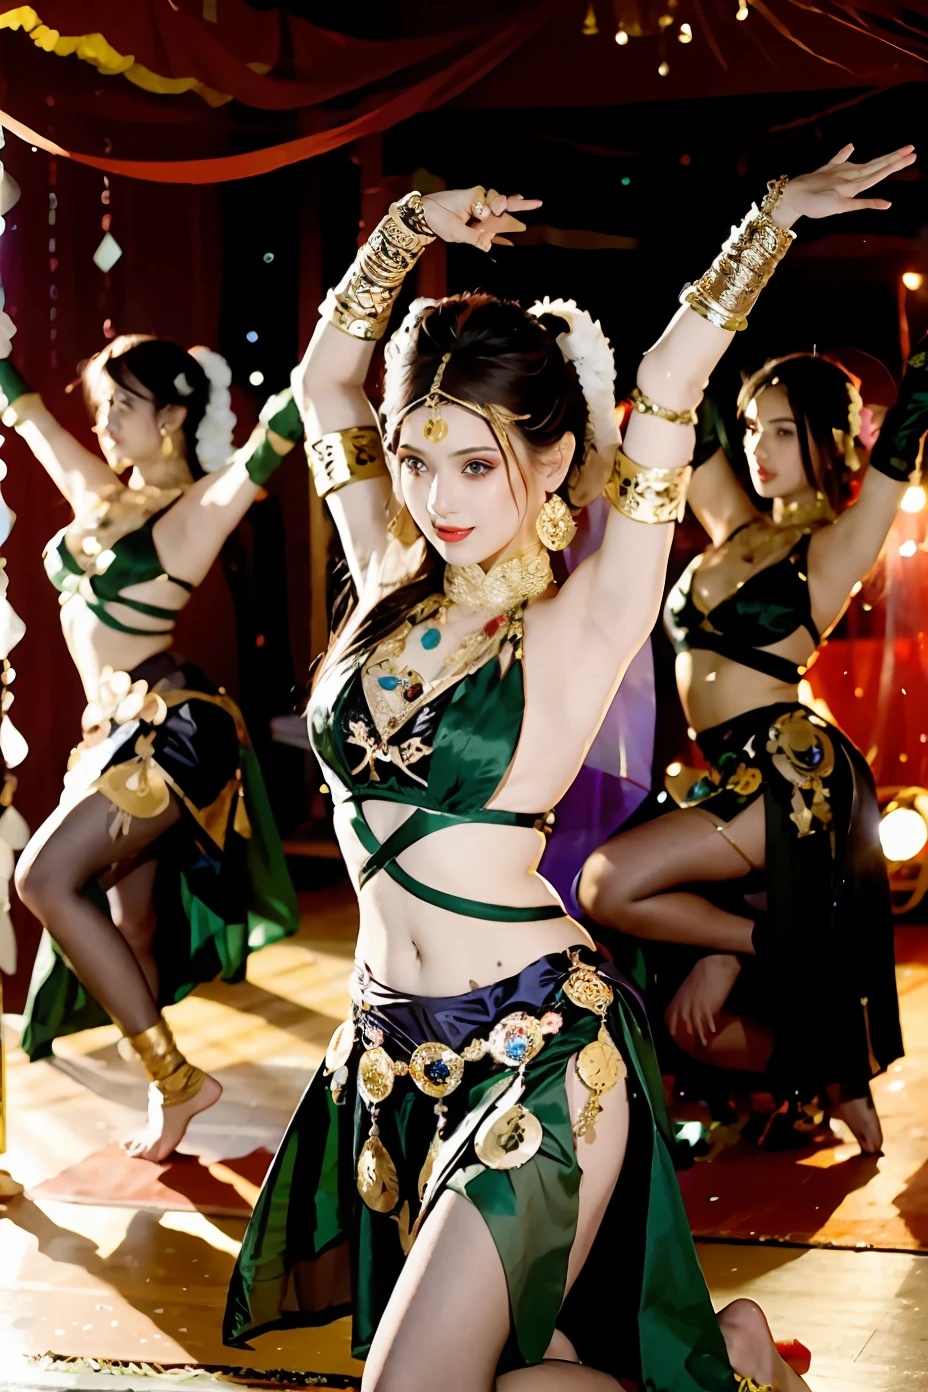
{"x": 729, "y": 289}
{"x": 647, "y": 495}
{"x": 647, "y": 407}
{"x": 361, "y": 303}
{"x": 14, "y": 413}
{"x": 346, "y": 456}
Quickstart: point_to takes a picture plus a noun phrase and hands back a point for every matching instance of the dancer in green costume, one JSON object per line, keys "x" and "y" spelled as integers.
{"x": 793, "y": 800}
{"x": 480, "y": 1174}
{"x": 161, "y": 866}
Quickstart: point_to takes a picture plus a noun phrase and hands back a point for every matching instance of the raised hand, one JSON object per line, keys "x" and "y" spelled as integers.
{"x": 835, "y": 188}
{"x": 478, "y": 216}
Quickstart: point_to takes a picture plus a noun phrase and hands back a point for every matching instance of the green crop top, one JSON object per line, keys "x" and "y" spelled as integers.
{"x": 771, "y": 605}
{"x": 448, "y": 760}
{"x": 134, "y": 560}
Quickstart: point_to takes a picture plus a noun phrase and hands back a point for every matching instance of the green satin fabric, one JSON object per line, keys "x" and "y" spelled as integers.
{"x": 135, "y": 560}
{"x": 192, "y": 943}
{"x": 472, "y": 749}
{"x": 770, "y": 606}
{"x": 896, "y": 451}
{"x": 313, "y": 1252}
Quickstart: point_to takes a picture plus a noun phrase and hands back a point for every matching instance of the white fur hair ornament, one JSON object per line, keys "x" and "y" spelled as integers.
{"x": 588, "y": 348}
{"x": 214, "y": 433}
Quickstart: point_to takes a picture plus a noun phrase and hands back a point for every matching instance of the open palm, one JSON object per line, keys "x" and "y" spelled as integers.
{"x": 476, "y": 215}
{"x": 837, "y": 186}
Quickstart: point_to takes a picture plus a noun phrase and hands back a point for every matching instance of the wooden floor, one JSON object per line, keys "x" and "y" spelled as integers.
{"x": 123, "y": 1284}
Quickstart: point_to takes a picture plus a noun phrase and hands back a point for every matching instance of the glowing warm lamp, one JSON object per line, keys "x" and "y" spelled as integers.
{"x": 908, "y": 548}
{"x": 914, "y": 498}
{"x": 913, "y": 280}
{"x": 673, "y": 769}
{"x": 742, "y": 12}
{"x": 664, "y": 69}
{"x": 903, "y": 833}
{"x": 621, "y": 37}
{"x": 686, "y": 34}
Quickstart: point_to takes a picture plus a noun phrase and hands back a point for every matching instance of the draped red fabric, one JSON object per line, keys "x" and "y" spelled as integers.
{"x": 380, "y": 114}
{"x": 175, "y": 41}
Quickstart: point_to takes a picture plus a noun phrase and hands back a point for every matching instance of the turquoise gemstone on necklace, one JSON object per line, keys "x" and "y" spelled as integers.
{"x": 388, "y": 683}
{"x": 431, "y": 638}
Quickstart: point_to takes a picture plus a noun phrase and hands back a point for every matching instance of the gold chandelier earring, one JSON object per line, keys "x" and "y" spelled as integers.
{"x": 555, "y": 525}
{"x": 167, "y": 444}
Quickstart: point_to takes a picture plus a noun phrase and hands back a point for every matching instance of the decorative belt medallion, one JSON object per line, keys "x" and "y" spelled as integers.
{"x": 586, "y": 988}
{"x": 600, "y": 1065}
{"x": 515, "y": 1040}
{"x": 340, "y": 1046}
{"x": 378, "y": 1184}
{"x": 435, "y": 1069}
{"x": 507, "y": 1140}
{"x": 804, "y": 755}
{"x": 375, "y": 1076}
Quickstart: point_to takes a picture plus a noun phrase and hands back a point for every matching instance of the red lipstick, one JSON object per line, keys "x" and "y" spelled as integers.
{"x": 453, "y": 533}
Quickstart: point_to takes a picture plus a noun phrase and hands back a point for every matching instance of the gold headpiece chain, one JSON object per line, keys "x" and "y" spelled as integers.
{"x": 435, "y": 428}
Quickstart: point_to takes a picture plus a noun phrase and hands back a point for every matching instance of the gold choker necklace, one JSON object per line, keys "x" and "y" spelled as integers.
{"x": 802, "y": 514}
{"x": 504, "y": 587}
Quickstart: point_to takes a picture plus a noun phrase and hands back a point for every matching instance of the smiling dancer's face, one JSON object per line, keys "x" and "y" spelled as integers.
{"x": 470, "y": 501}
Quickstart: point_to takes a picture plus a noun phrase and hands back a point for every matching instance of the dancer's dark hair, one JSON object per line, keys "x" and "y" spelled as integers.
{"x": 500, "y": 355}
{"x": 169, "y": 372}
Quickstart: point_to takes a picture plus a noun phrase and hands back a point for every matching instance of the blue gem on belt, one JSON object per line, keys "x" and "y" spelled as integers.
{"x": 435, "y": 1069}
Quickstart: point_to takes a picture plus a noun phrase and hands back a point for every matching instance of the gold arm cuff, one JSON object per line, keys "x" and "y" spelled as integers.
{"x": 346, "y": 456}
{"x": 361, "y": 303}
{"x": 647, "y": 407}
{"x": 20, "y": 410}
{"x": 175, "y": 1079}
{"x": 647, "y": 495}
{"x": 729, "y": 289}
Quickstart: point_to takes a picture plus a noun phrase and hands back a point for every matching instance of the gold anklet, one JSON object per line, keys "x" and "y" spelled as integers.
{"x": 175, "y": 1079}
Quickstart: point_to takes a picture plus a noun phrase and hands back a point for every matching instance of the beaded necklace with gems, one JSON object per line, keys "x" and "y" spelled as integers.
{"x": 395, "y": 691}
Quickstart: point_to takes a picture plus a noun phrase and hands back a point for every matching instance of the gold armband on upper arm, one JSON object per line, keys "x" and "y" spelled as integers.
{"x": 647, "y": 495}
{"x": 346, "y": 456}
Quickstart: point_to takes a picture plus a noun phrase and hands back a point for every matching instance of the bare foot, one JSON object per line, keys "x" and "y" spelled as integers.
{"x": 166, "y": 1126}
{"x": 751, "y": 1350}
{"x": 860, "y": 1115}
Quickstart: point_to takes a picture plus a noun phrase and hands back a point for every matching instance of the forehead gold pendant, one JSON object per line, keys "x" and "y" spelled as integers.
{"x": 435, "y": 428}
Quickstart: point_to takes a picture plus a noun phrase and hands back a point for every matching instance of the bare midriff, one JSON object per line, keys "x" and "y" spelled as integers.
{"x": 93, "y": 645}
{"x": 417, "y": 948}
{"x": 714, "y": 689}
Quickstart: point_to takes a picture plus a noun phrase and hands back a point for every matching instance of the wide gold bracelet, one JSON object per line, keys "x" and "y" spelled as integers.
{"x": 361, "y": 303}
{"x": 729, "y": 289}
{"x": 14, "y": 413}
{"x": 647, "y": 407}
{"x": 346, "y": 456}
{"x": 647, "y": 495}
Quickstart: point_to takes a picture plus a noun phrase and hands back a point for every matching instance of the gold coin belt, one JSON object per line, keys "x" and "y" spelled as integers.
{"x": 510, "y": 1135}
